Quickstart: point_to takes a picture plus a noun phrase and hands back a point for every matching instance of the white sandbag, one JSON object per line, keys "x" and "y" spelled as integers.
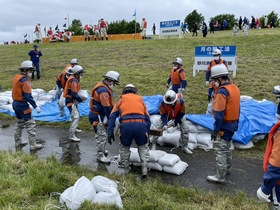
{"x": 110, "y": 195}
{"x": 38, "y": 91}
{"x": 83, "y": 94}
{"x": 101, "y": 181}
{"x": 246, "y": 98}
{"x": 205, "y": 147}
{"x": 203, "y": 138}
{"x": 177, "y": 169}
{"x": 171, "y": 129}
{"x": 53, "y": 92}
{"x": 134, "y": 155}
{"x": 192, "y": 145}
{"x": 168, "y": 160}
{"x": 193, "y": 128}
{"x": 6, "y": 107}
{"x": 61, "y": 101}
{"x": 154, "y": 155}
{"x": 258, "y": 137}
{"x": 192, "y": 137}
{"x": 4, "y": 100}
{"x": 160, "y": 141}
{"x": 171, "y": 138}
{"x": 155, "y": 166}
{"x": 155, "y": 120}
{"x": 46, "y": 97}
{"x": 136, "y": 164}
{"x": 35, "y": 95}
{"x": 62, "y": 198}
{"x": 82, "y": 190}
{"x": 40, "y": 103}
{"x": 202, "y": 129}
{"x": 249, "y": 145}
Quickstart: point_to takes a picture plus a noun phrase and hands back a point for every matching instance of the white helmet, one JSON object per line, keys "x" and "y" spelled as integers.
{"x": 113, "y": 75}
{"x": 69, "y": 70}
{"x": 217, "y": 52}
{"x": 276, "y": 90}
{"x": 178, "y": 61}
{"x": 26, "y": 65}
{"x": 170, "y": 97}
{"x": 74, "y": 61}
{"x": 77, "y": 69}
{"x": 218, "y": 71}
{"x": 130, "y": 88}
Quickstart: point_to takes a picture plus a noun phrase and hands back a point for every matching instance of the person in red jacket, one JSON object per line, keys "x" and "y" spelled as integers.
{"x": 269, "y": 191}
{"x": 87, "y": 32}
{"x": 134, "y": 124}
{"x": 103, "y": 26}
{"x": 144, "y": 28}
{"x": 172, "y": 110}
{"x": 22, "y": 97}
{"x": 225, "y": 111}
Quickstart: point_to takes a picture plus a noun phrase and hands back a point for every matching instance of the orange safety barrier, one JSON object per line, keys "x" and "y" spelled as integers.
{"x": 81, "y": 38}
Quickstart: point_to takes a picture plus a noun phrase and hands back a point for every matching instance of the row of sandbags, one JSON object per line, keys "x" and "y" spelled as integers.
{"x": 161, "y": 161}
{"x": 199, "y": 137}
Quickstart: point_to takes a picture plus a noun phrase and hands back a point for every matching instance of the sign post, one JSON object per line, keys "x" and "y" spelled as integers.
{"x": 203, "y": 56}
{"x": 170, "y": 27}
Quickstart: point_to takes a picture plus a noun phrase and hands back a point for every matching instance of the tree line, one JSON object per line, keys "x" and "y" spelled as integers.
{"x": 193, "y": 18}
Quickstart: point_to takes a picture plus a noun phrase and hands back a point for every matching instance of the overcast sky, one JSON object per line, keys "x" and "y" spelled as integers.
{"x": 19, "y": 17}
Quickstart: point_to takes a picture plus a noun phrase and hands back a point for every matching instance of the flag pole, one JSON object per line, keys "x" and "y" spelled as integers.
{"x": 135, "y": 23}
{"x": 68, "y": 20}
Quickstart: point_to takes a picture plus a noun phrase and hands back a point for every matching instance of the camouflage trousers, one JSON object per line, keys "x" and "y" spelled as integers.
{"x": 223, "y": 156}
{"x": 101, "y": 138}
{"x": 124, "y": 151}
{"x": 75, "y": 117}
{"x": 30, "y": 126}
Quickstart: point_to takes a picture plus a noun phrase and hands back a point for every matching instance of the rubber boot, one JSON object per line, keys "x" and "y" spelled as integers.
{"x": 31, "y": 131}
{"x": 107, "y": 38}
{"x": 73, "y": 137}
{"x": 89, "y": 39}
{"x": 85, "y": 39}
{"x": 102, "y": 38}
{"x": 95, "y": 39}
{"x": 101, "y": 158}
{"x": 144, "y": 170}
{"x": 219, "y": 177}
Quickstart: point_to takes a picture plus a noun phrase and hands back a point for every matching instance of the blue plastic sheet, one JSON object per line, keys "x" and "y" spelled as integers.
{"x": 255, "y": 117}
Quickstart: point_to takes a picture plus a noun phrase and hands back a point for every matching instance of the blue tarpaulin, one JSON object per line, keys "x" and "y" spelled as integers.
{"x": 256, "y": 117}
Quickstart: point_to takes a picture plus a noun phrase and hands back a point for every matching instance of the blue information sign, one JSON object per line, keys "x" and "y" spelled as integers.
{"x": 206, "y": 51}
{"x": 169, "y": 23}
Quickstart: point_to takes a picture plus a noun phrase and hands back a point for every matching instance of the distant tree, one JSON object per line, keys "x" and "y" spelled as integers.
{"x": 123, "y": 27}
{"x": 76, "y": 27}
{"x": 230, "y": 18}
{"x": 194, "y": 18}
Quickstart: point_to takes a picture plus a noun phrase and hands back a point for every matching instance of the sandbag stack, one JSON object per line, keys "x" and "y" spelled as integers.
{"x": 160, "y": 161}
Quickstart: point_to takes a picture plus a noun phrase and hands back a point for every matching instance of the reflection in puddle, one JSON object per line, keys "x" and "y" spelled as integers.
{"x": 71, "y": 153}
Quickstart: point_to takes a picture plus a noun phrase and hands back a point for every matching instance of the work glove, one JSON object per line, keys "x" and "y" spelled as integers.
{"x": 207, "y": 83}
{"x": 110, "y": 138}
{"x": 170, "y": 123}
{"x": 209, "y": 98}
{"x": 165, "y": 127}
{"x": 214, "y": 135}
{"x": 167, "y": 85}
{"x": 38, "y": 110}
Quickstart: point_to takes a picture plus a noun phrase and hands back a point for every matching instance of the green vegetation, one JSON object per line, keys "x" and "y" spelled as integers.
{"x": 27, "y": 182}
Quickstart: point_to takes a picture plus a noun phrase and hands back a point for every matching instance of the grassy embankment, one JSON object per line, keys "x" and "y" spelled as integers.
{"x": 27, "y": 182}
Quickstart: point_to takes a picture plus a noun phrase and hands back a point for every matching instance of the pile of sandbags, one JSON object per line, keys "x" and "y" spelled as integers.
{"x": 39, "y": 96}
{"x": 99, "y": 190}
{"x": 160, "y": 161}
